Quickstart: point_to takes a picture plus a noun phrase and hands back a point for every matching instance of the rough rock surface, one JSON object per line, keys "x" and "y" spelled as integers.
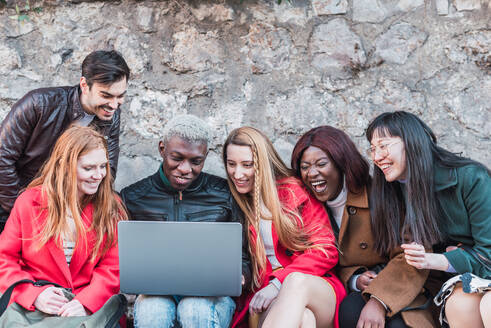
{"x": 442, "y": 7}
{"x": 396, "y": 45}
{"x": 369, "y": 11}
{"x": 283, "y": 68}
{"x": 336, "y": 50}
{"x": 267, "y": 48}
{"x": 9, "y": 58}
{"x": 195, "y": 52}
{"x": 467, "y": 4}
{"x": 330, "y": 7}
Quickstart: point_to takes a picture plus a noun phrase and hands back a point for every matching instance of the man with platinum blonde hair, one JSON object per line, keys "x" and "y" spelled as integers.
{"x": 188, "y": 127}
{"x": 178, "y": 191}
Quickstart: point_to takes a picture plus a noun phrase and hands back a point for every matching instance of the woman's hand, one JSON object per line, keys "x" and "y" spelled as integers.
{"x": 263, "y": 298}
{"x": 365, "y": 279}
{"x": 451, "y": 248}
{"x": 372, "y": 315}
{"x": 417, "y": 257}
{"x": 50, "y": 300}
{"x": 72, "y": 309}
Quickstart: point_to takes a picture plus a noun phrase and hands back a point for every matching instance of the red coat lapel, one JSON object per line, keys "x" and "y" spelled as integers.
{"x": 54, "y": 249}
{"x": 60, "y": 260}
{"x": 82, "y": 252}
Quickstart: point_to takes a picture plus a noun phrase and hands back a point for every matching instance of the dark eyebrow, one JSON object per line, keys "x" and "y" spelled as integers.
{"x": 110, "y": 94}
{"x": 320, "y": 159}
{"x": 176, "y": 153}
{"x": 382, "y": 139}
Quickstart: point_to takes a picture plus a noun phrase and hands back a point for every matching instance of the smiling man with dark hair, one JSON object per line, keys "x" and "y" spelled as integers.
{"x": 36, "y": 121}
{"x": 179, "y": 191}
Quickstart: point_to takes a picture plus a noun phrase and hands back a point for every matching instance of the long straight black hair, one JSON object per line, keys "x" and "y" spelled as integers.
{"x": 413, "y": 215}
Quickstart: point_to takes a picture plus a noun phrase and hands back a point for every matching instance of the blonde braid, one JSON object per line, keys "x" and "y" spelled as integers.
{"x": 259, "y": 254}
{"x": 268, "y": 169}
{"x": 257, "y": 189}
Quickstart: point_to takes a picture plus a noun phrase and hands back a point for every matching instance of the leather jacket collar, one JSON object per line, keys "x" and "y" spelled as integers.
{"x": 77, "y": 109}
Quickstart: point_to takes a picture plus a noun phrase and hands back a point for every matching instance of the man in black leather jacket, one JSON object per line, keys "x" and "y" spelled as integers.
{"x": 179, "y": 191}
{"x": 36, "y": 121}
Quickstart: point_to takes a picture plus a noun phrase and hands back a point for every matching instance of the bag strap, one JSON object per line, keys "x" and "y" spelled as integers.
{"x": 485, "y": 262}
{"x": 122, "y": 305}
{"x": 5, "y": 299}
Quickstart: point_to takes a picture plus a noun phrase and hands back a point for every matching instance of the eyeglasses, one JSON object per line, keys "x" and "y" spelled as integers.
{"x": 382, "y": 149}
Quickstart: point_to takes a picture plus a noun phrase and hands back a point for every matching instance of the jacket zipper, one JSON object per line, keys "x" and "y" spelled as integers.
{"x": 176, "y": 206}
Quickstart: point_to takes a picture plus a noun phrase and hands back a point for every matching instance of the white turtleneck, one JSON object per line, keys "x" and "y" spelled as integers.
{"x": 337, "y": 205}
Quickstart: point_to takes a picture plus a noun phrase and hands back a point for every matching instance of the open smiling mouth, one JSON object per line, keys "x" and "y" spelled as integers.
{"x": 182, "y": 180}
{"x": 241, "y": 183}
{"x": 385, "y": 167}
{"x": 319, "y": 186}
{"x": 108, "y": 110}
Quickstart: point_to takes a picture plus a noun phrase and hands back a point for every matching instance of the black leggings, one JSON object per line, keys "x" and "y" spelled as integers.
{"x": 350, "y": 310}
{"x": 2, "y": 225}
{"x": 3, "y": 218}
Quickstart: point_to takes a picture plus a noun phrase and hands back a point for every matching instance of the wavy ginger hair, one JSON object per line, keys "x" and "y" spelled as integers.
{"x": 58, "y": 178}
{"x": 268, "y": 168}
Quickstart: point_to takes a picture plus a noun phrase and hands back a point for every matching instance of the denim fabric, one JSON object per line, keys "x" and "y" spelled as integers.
{"x": 191, "y": 312}
{"x": 154, "y": 311}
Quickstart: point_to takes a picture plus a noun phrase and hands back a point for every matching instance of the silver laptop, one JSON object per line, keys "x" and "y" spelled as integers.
{"x": 180, "y": 258}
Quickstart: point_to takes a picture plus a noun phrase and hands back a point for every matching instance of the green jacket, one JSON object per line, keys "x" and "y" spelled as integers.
{"x": 464, "y": 195}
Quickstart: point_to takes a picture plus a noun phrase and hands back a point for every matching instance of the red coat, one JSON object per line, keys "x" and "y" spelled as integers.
{"x": 293, "y": 196}
{"x": 93, "y": 282}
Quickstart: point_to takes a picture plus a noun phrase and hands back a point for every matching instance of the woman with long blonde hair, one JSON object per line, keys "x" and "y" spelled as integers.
{"x": 290, "y": 238}
{"x": 63, "y": 229}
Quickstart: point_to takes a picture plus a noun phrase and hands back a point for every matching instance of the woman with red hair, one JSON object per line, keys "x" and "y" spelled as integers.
{"x": 63, "y": 230}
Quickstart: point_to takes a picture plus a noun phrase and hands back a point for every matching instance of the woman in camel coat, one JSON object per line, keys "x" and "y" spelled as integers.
{"x": 381, "y": 287}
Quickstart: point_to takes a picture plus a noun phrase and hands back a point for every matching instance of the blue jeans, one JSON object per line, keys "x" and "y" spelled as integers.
{"x": 190, "y": 312}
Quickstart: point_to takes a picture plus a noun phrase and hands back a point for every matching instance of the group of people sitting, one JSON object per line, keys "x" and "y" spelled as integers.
{"x": 326, "y": 244}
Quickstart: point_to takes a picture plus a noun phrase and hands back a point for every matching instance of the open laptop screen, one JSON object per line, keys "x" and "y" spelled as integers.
{"x": 180, "y": 258}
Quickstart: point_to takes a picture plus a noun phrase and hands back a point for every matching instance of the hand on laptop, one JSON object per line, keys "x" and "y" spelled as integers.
{"x": 263, "y": 298}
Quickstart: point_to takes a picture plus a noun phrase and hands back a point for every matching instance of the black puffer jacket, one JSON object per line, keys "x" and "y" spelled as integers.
{"x": 207, "y": 199}
{"x": 31, "y": 129}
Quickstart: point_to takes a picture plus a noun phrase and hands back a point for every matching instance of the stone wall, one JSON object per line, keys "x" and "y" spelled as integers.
{"x": 282, "y": 68}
